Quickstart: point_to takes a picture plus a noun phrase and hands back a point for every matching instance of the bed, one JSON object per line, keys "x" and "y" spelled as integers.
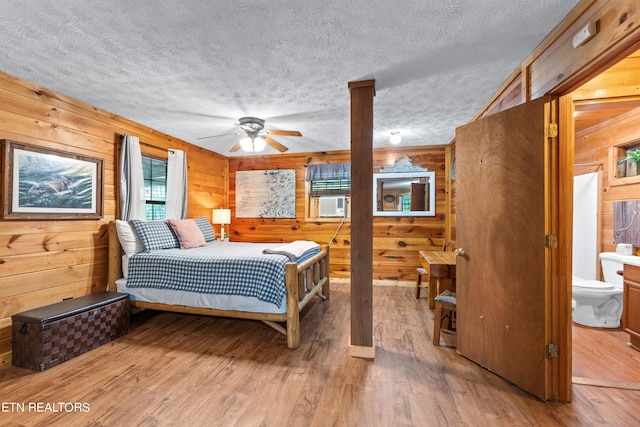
{"x": 292, "y": 284}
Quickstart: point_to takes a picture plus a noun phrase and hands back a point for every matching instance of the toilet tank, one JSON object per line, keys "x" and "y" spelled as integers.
{"x": 612, "y": 263}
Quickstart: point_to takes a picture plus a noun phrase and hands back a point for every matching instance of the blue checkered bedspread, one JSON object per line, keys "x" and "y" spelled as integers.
{"x": 229, "y": 268}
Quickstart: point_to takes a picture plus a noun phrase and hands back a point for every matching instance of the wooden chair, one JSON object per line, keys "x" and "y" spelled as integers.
{"x": 449, "y": 245}
{"x": 423, "y": 276}
{"x": 421, "y": 272}
{"x": 445, "y": 309}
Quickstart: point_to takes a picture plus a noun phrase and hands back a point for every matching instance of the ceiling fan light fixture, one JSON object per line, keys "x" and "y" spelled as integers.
{"x": 252, "y": 145}
{"x": 246, "y": 144}
{"x": 259, "y": 143}
{"x": 395, "y": 138}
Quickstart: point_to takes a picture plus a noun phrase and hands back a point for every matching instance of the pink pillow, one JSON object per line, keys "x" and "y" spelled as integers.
{"x": 188, "y": 233}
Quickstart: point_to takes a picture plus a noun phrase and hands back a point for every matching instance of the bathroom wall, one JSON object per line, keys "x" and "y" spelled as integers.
{"x": 607, "y": 117}
{"x": 594, "y": 146}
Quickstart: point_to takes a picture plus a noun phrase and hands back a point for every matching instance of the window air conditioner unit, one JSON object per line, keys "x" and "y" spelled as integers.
{"x": 333, "y": 206}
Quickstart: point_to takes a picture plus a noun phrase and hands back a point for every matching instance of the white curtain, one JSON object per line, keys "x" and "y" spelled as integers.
{"x": 177, "y": 192}
{"x": 132, "y": 200}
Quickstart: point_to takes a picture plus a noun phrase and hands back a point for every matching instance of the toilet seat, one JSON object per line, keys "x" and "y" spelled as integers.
{"x": 594, "y": 285}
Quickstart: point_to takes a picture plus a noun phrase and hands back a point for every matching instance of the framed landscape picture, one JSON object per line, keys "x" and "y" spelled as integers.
{"x": 43, "y": 183}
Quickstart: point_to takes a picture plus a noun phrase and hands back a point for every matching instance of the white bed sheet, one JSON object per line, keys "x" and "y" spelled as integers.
{"x": 194, "y": 299}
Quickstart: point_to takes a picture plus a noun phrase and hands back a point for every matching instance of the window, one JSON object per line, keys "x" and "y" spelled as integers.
{"x": 624, "y": 164}
{"x": 406, "y": 202}
{"x": 628, "y": 161}
{"x": 324, "y": 183}
{"x": 155, "y": 186}
{"x": 330, "y": 187}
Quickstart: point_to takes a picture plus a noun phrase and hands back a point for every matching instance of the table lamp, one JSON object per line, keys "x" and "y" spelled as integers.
{"x": 222, "y": 217}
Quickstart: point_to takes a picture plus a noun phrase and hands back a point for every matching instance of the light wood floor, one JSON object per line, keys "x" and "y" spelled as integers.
{"x": 186, "y": 370}
{"x": 603, "y": 356}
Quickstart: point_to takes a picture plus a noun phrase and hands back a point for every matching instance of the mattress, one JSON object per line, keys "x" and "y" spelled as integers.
{"x": 194, "y": 299}
{"x": 225, "y": 301}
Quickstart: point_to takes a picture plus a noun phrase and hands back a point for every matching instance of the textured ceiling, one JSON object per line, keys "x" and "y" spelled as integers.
{"x": 191, "y": 68}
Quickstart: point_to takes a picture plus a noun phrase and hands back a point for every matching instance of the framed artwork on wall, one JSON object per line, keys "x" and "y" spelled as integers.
{"x": 43, "y": 183}
{"x": 266, "y": 193}
{"x": 626, "y": 222}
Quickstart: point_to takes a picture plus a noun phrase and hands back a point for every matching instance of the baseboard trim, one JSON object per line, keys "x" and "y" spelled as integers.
{"x": 398, "y": 283}
{"x": 606, "y": 383}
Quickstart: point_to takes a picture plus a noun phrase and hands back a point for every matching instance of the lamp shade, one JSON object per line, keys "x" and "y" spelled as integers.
{"x": 259, "y": 143}
{"x": 221, "y": 216}
{"x": 252, "y": 145}
{"x": 246, "y": 144}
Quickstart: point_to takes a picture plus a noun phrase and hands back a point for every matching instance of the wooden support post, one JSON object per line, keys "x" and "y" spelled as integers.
{"x": 362, "y": 93}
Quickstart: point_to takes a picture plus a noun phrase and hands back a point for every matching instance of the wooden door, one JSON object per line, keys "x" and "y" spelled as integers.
{"x": 503, "y": 204}
{"x": 418, "y": 200}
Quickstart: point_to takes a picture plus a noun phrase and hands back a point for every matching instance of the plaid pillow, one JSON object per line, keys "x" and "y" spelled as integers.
{"x": 155, "y": 235}
{"x": 205, "y": 227}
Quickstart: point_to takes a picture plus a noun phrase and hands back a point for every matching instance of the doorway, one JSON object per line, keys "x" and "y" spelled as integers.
{"x": 603, "y": 108}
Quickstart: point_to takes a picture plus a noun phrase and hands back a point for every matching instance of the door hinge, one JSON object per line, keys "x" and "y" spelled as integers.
{"x": 551, "y": 241}
{"x": 552, "y": 351}
{"x": 551, "y": 129}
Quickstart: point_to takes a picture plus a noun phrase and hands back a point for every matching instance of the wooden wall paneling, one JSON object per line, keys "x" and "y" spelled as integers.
{"x": 42, "y": 262}
{"x": 448, "y": 183}
{"x": 57, "y": 276}
{"x": 622, "y": 80}
{"x": 20, "y": 264}
{"x": 593, "y": 146}
{"x": 509, "y": 97}
{"x": 410, "y": 234}
{"x": 556, "y": 67}
{"x": 562, "y": 68}
{"x": 16, "y": 244}
{"x": 396, "y": 241}
{"x": 450, "y": 218}
{"x": 5, "y": 340}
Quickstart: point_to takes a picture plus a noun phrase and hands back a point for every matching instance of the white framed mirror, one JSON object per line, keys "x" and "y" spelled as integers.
{"x": 404, "y": 194}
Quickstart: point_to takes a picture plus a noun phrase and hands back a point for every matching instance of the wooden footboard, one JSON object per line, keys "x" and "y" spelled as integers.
{"x": 302, "y": 281}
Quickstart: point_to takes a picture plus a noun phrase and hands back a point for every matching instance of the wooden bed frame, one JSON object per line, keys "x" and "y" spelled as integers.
{"x": 303, "y": 281}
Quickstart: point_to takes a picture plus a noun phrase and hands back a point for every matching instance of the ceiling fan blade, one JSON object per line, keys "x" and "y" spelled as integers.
{"x": 235, "y": 148}
{"x": 275, "y": 144}
{"x": 284, "y": 132}
{"x": 217, "y": 136}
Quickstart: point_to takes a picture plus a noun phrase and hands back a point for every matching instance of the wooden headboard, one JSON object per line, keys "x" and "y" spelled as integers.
{"x": 114, "y": 271}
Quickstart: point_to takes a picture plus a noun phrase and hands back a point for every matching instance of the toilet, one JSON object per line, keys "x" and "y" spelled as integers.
{"x": 599, "y": 304}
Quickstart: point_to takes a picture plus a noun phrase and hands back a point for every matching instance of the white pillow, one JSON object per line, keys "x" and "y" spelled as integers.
{"x": 129, "y": 239}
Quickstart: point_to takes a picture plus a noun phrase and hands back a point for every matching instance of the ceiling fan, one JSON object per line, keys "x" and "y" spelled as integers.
{"x": 256, "y": 136}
